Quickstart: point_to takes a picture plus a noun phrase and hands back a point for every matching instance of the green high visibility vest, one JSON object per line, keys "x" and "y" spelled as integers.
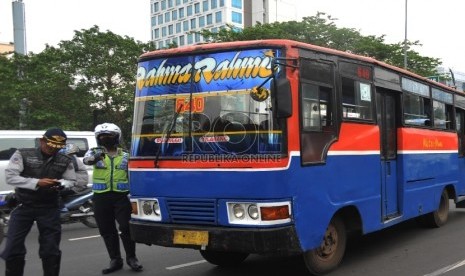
{"x": 111, "y": 174}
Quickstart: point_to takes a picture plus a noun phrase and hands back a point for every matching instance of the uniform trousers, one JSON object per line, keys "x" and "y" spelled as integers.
{"x": 21, "y": 220}
{"x": 109, "y": 208}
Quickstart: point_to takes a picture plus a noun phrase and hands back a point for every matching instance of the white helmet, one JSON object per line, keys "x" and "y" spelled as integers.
{"x": 108, "y": 128}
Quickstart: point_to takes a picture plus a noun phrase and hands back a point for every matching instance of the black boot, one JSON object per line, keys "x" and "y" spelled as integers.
{"x": 115, "y": 264}
{"x": 51, "y": 265}
{"x": 14, "y": 267}
{"x": 133, "y": 262}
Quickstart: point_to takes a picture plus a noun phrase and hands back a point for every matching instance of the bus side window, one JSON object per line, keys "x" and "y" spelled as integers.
{"x": 318, "y": 126}
{"x": 356, "y": 99}
{"x": 417, "y": 110}
{"x": 310, "y": 107}
{"x": 442, "y": 115}
{"x": 443, "y": 112}
{"x": 417, "y": 103}
{"x": 316, "y": 107}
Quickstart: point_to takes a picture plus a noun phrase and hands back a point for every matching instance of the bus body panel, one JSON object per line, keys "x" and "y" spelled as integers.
{"x": 348, "y": 178}
{"x": 351, "y": 168}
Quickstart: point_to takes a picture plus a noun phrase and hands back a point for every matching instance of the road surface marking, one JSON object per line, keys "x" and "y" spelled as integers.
{"x": 446, "y": 269}
{"x": 186, "y": 264}
{"x": 84, "y": 238}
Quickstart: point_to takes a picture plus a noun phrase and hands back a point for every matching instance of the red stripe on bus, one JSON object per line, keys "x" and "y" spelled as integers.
{"x": 426, "y": 139}
{"x": 355, "y": 137}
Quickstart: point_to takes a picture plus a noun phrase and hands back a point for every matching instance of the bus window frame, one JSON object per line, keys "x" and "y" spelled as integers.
{"x": 417, "y": 91}
{"x": 448, "y": 108}
{"x": 357, "y": 81}
{"x": 314, "y": 142}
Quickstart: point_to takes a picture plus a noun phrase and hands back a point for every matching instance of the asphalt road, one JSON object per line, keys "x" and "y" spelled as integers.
{"x": 403, "y": 250}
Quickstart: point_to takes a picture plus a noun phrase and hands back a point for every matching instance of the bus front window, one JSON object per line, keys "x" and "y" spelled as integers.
{"x": 222, "y": 123}
{"x": 218, "y": 104}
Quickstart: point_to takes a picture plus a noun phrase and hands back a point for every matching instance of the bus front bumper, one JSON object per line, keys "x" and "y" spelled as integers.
{"x": 250, "y": 240}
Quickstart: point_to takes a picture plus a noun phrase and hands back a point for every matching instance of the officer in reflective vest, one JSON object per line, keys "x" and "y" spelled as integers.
{"x": 111, "y": 187}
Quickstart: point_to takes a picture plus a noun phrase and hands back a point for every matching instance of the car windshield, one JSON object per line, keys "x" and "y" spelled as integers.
{"x": 209, "y": 104}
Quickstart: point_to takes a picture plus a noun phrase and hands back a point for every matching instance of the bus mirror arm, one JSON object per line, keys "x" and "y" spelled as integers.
{"x": 280, "y": 88}
{"x": 278, "y": 61}
{"x": 281, "y": 93}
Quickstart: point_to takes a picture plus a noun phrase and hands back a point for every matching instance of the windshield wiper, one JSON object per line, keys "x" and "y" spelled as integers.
{"x": 168, "y": 135}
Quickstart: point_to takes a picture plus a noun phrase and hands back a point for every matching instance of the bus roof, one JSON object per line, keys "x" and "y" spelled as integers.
{"x": 199, "y": 48}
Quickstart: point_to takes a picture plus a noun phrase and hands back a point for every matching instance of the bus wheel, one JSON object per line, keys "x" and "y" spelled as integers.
{"x": 225, "y": 259}
{"x": 439, "y": 217}
{"x": 328, "y": 256}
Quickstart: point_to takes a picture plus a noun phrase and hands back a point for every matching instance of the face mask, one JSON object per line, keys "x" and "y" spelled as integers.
{"x": 108, "y": 141}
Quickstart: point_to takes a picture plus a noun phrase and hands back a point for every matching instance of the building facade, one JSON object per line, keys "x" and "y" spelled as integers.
{"x": 268, "y": 11}
{"x": 176, "y": 21}
{"x": 6, "y": 48}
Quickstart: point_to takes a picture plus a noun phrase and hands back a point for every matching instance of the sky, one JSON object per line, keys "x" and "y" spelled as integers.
{"x": 437, "y": 25}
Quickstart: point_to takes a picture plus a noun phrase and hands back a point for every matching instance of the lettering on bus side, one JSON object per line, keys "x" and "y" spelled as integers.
{"x": 429, "y": 143}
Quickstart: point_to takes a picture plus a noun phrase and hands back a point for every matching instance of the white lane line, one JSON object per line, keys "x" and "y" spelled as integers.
{"x": 446, "y": 269}
{"x": 186, "y": 264}
{"x": 84, "y": 238}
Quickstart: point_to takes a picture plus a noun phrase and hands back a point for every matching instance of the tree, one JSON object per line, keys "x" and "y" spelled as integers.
{"x": 54, "y": 102}
{"x": 103, "y": 66}
{"x": 91, "y": 78}
{"x": 9, "y": 92}
{"x": 321, "y": 30}
{"x": 80, "y": 83}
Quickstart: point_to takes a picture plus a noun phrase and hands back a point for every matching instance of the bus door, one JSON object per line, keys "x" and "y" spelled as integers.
{"x": 388, "y": 147}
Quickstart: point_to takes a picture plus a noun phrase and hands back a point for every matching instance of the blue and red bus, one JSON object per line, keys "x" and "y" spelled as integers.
{"x": 277, "y": 146}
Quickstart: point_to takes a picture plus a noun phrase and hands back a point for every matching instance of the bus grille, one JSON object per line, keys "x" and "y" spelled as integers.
{"x": 192, "y": 211}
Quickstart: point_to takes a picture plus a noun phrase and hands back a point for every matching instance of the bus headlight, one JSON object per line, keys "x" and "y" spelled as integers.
{"x": 146, "y": 209}
{"x": 259, "y": 213}
{"x": 156, "y": 208}
{"x": 253, "y": 212}
{"x": 239, "y": 211}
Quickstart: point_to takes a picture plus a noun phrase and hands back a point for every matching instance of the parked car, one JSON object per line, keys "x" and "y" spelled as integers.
{"x": 10, "y": 140}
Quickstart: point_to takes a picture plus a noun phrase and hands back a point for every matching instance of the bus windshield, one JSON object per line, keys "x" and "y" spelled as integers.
{"x": 217, "y": 103}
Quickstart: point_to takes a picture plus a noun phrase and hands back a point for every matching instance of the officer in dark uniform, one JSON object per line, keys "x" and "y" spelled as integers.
{"x": 37, "y": 174}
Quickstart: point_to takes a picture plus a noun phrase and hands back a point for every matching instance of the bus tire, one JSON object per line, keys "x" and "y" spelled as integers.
{"x": 439, "y": 217}
{"x": 225, "y": 259}
{"x": 331, "y": 251}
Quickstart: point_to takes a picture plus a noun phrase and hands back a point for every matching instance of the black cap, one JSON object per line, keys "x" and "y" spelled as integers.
{"x": 55, "y": 138}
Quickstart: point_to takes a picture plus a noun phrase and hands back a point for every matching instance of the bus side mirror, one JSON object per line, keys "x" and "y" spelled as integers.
{"x": 281, "y": 90}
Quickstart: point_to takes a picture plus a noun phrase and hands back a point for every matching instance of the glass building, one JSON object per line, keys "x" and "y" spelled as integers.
{"x": 174, "y": 21}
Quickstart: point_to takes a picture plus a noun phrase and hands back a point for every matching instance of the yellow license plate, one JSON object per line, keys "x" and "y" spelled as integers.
{"x": 190, "y": 237}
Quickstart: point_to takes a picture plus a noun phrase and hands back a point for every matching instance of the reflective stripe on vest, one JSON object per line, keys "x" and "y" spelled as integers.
{"x": 110, "y": 174}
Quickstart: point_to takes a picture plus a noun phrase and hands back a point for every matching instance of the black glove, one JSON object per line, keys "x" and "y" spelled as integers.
{"x": 99, "y": 155}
